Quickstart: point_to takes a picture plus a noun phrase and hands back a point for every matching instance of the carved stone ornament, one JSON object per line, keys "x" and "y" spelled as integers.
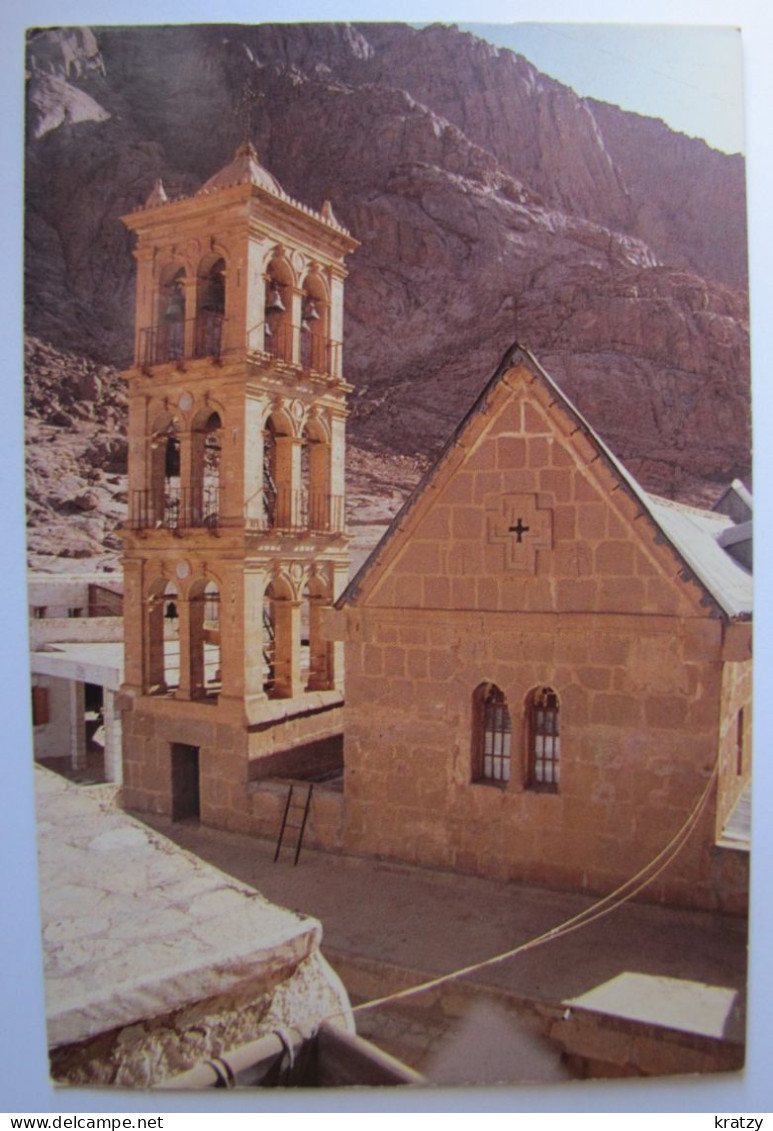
{"x": 519, "y": 525}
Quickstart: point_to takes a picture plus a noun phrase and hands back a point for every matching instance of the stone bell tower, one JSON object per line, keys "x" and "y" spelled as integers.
{"x": 235, "y": 542}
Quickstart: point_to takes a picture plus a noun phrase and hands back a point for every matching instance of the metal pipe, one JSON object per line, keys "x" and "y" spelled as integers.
{"x": 222, "y": 1071}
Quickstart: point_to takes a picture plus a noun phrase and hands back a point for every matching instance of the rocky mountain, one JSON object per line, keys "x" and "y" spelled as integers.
{"x": 491, "y": 202}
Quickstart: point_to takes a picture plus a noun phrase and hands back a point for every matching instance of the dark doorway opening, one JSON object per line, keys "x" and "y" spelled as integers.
{"x": 94, "y": 721}
{"x": 185, "y": 782}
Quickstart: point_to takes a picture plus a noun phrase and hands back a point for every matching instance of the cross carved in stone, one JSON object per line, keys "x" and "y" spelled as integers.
{"x": 519, "y": 529}
{"x": 520, "y": 515}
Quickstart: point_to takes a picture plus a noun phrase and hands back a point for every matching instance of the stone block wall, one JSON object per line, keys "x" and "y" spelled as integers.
{"x": 530, "y": 561}
{"x": 325, "y": 826}
{"x": 735, "y": 738}
{"x": 638, "y": 741}
{"x": 231, "y": 759}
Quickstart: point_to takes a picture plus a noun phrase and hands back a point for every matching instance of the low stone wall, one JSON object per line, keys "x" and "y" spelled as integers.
{"x": 144, "y": 1054}
{"x": 591, "y": 1043}
{"x": 325, "y": 825}
{"x": 209, "y": 964}
{"x": 296, "y": 738}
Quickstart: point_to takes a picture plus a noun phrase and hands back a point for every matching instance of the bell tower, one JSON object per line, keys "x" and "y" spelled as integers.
{"x": 235, "y": 541}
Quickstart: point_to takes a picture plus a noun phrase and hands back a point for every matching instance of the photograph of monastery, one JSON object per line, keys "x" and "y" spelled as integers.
{"x": 390, "y": 549}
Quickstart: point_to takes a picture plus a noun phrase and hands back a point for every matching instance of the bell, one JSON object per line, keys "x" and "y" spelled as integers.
{"x": 275, "y": 300}
{"x": 171, "y": 611}
{"x": 175, "y": 307}
{"x": 310, "y": 313}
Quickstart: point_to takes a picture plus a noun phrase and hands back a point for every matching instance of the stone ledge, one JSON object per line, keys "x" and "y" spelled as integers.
{"x": 136, "y": 928}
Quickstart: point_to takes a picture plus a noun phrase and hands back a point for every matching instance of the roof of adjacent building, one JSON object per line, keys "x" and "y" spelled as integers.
{"x": 698, "y": 537}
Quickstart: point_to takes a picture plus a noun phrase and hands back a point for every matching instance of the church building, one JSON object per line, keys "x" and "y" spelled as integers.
{"x": 549, "y": 670}
{"x": 235, "y": 542}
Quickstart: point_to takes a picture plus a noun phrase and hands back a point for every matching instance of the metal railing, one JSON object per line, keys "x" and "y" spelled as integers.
{"x": 202, "y": 336}
{"x": 278, "y": 340}
{"x": 174, "y": 508}
{"x": 318, "y": 354}
{"x": 297, "y": 511}
{"x": 178, "y": 508}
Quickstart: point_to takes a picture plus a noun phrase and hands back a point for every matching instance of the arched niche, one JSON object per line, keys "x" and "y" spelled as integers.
{"x": 161, "y": 504}
{"x": 204, "y": 496}
{"x": 281, "y": 642}
{"x": 315, "y": 324}
{"x": 162, "y": 638}
{"x": 316, "y": 652}
{"x": 278, "y": 328}
{"x": 210, "y": 307}
{"x": 281, "y": 471}
{"x": 169, "y": 337}
{"x": 316, "y": 474}
{"x": 204, "y": 638}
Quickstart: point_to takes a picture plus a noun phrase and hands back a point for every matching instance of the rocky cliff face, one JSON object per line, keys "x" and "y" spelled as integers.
{"x": 492, "y": 204}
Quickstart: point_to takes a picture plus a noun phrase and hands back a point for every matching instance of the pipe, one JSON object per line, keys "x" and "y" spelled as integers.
{"x": 221, "y": 1072}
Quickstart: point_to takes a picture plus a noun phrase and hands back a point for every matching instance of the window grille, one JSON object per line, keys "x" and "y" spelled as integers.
{"x": 494, "y": 737}
{"x": 544, "y": 740}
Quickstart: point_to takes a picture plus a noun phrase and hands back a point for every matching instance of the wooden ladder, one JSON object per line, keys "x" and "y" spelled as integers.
{"x": 294, "y": 810}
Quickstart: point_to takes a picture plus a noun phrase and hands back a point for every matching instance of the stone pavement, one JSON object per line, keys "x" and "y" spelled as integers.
{"x": 388, "y": 925}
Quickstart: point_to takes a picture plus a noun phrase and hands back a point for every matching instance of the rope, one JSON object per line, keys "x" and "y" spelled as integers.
{"x": 598, "y": 910}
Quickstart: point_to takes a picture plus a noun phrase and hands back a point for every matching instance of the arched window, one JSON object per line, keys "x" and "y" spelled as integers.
{"x": 204, "y": 649}
{"x": 316, "y": 651}
{"x": 170, "y": 345}
{"x": 281, "y": 473}
{"x": 544, "y": 739}
{"x": 492, "y": 736}
{"x": 162, "y": 639}
{"x": 315, "y": 477}
{"x": 210, "y": 309}
{"x": 202, "y": 497}
{"x": 269, "y": 476}
{"x": 314, "y": 317}
{"x": 281, "y": 640}
{"x": 278, "y": 330}
{"x": 159, "y": 505}
{"x": 269, "y": 644}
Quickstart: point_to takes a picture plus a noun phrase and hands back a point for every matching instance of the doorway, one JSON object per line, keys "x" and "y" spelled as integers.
{"x": 185, "y": 782}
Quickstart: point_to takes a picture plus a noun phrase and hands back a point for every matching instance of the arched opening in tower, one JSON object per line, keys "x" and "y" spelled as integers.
{"x": 162, "y": 639}
{"x": 277, "y": 327}
{"x": 205, "y": 640}
{"x": 171, "y": 320}
{"x": 314, "y": 325}
{"x": 210, "y": 308}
